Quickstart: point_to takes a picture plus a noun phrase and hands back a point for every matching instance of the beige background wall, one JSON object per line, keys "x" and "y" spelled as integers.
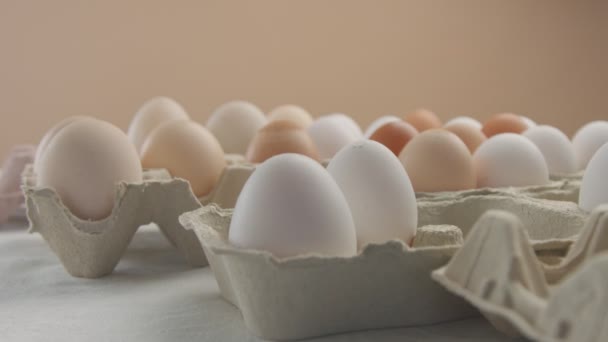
{"x": 547, "y": 59}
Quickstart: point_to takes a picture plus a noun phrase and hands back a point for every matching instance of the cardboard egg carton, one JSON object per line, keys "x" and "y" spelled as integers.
{"x": 498, "y": 272}
{"x": 385, "y": 285}
{"x": 92, "y": 249}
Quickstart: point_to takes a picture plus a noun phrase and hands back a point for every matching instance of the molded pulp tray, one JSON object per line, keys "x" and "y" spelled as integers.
{"x": 385, "y": 285}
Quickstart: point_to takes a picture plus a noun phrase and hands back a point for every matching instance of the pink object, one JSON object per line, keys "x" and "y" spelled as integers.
{"x": 11, "y": 196}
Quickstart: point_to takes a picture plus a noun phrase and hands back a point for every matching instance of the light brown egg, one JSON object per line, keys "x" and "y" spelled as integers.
{"x": 437, "y": 160}
{"x": 187, "y": 150}
{"x": 471, "y": 136}
{"x": 395, "y": 135}
{"x": 281, "y": 136}
{"x": 292, "y": 113}
{"x": 504, "y": 123}
{"x": 423, "y": 119}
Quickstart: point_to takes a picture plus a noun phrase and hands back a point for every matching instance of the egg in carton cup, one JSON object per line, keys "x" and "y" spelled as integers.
{"x": 384, "y": 285}
{"x": 92, "y": 249}
{"x": 497, "y": 271}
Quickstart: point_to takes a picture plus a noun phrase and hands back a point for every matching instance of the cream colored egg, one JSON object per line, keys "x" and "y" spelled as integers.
{"x": 349, "y": 122}
{"x": 292, "y": 113}
{"x": 509, "y": 159}
{"x": 151, "y": 114}
{"x": 84, "y": 162}
{"x": 556, "y": 148}
{"x": 330, "y": 134}
{"x": 437, "y": 160}
{"x": 291, "y": 206}
{"x": 464, "y": 120}
{"x": 234, "y": 124}
{"x": 187, "y": 150}
{"x": 49, "y": 135}
{"x": 378, "y": 191}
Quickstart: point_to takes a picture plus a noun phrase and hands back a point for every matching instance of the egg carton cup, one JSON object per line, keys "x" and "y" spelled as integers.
{"x": 92, "y": 249}
{"x": 385, "y": 285}
{"x": 498, "y": 272}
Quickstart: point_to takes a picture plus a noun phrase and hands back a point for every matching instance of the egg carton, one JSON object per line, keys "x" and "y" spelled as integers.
{"x": 92, "y": 249}
{"x": 498, "y": 272}
{"x": 385, "y": 285}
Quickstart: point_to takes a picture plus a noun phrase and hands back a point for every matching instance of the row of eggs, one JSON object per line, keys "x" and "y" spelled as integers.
{"x": 82, "y": 158}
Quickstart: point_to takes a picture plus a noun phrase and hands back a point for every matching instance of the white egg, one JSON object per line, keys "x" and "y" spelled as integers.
{"x": 291, "y": 206}
{"x": 152, "y": 114}
{"x": 379, "y": 122}
{"x": 594, "y": 187}
{"x": 378, "y": 191}
{"x": 529, "y": 122}
{"x": 234, "y": 124}
{"x": 350, "y": 122}
{"x": 509, "y": 159}
{"x": 555, "y": 147}
{"x": 466, "y": 120}
{"x": 330, "y": 135}
{"x": 588, "y": 139}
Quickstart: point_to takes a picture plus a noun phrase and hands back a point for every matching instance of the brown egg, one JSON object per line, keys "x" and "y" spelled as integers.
{"x": 281, "y": 136}
{"x": 187, "y": 150}
{"x": 471, "y": 136}
{"x": 395, "y": 135}
{"x": 504, "y": 123}
{"x": 437, "y": 160}
{"x": 423, "y": 119}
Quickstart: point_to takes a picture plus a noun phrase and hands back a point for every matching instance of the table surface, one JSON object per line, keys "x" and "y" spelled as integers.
{"x": 153, "y": 295}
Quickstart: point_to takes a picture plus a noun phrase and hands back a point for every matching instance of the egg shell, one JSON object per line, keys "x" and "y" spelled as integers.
{"x": 437, "y": 160}
{"x": 330, "y": 134}
{"x": 470, "y": 135}
{"x": 504, "y": 123}
{"x": 84, "y": 162}
{"x": 529, "y": 122}
{"x": 379, "y": 122}
{"x": 509, "y": 159}
{"x": 555, "y": 147}
{"x": 464, "y": 120}
{"x": 395, "y": 135}
{"x": 150, "y": 115}
{"x": 423, "y": 119}
{"x": 281, "y": 136}
{"x": 292, "y": 113}
{"x": 291, "y": 206}
{"x": 588, "y": 139}
{"x": 234, "y": 124}
{"x": 49, "y": 135}
{"x": 350, "y": 122}
{"x": 365, "y": 170}
{"x": 187, "y": 150}
{"x": 594, "y": 187}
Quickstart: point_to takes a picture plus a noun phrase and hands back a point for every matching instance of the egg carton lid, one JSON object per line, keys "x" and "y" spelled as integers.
{"x": 497, "y": 271}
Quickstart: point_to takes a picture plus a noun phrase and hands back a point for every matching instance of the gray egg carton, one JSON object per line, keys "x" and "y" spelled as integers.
{"x": 92, "y": 249}
{"x": 385, "y": 285}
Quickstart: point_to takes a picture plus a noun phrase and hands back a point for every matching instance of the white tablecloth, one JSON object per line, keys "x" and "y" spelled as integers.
{"x": 151, "y": 296}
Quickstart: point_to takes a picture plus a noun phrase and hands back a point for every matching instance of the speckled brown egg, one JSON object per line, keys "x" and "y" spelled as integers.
{"x": 437, "y": 160}
{"x": 470, "y": 136}
{"x": 423, "y": 119}
{"x": 281, "y": 136}
{"x": 395, "y": 135}
{"x": 504, "y": 123}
